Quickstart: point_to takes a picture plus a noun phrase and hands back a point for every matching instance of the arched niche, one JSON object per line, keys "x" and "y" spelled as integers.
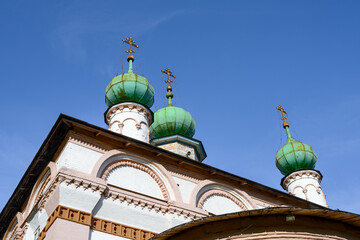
{"x": 156, "y": 171}
{"x": 220, "y": 199}
{"x": 136, "y": 177}
{"x": 220, "y": 202}
{"x": 41, "y": 185}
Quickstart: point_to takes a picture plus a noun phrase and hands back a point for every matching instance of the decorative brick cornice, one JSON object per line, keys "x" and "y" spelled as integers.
{"x": 127, "y": 163}
{"x": 131, "y": 106}
{"x": 120, "y": 230}
{"x": 69, "y": 214}
{"x": 94, "y": 223}
{"x": 216, "y": 192}
{"x": 299, "y": 174}
{"x": 123, "y": 195}
{"x": 149, "y": 203}
{"x": 83, "y": 142}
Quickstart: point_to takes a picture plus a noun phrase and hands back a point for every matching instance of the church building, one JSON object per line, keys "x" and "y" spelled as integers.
{"x": 145, "y": 178}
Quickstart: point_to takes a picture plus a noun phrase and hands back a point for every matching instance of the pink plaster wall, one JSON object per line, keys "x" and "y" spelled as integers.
{"x": 66, "y": 230}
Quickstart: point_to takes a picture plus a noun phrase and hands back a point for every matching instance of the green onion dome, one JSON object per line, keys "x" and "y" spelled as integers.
{"x": 170, "y": 121}
{"x": 294, "y": 156}
{"x": 129, "y": 87}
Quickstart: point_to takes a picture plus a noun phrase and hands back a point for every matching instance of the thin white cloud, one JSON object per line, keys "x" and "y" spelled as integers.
{"x": 71, "y": 36}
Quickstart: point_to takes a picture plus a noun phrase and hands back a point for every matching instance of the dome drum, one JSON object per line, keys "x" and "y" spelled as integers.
{"x": 120, "y": 107}
{"x": 184, "y": 146}
{"x": 130, "y": 119}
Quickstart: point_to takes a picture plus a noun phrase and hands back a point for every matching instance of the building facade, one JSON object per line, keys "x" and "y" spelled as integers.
{"x": 144, "y": 175}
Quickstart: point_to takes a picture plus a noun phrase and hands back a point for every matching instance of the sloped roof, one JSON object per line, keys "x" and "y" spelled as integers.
{"x": 224, "y": 221}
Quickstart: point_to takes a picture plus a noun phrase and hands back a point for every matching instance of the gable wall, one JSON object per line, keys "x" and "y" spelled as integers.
{"x": 79, "y": 181}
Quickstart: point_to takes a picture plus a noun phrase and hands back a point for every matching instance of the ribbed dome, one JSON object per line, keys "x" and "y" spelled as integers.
{"x": 129, "y": 87}
{"x": 294, "y": 156}
{"x": 172, "y": 120}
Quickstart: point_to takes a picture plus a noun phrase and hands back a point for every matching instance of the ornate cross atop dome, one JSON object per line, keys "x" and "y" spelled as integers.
{"x": 131, "y": 43}
{"x": 284, "y": 115}
{"x": 169, "y": 94}
{"x": 169, "y": 74}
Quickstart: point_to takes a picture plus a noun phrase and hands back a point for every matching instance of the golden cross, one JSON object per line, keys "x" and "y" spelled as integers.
{"x": 131, "y": 43}
{"x": 284, "y": 115}
{"x": 169, "y": 74}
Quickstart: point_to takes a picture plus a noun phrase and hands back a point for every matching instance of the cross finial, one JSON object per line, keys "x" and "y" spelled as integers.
{"x": 169, "y": 94}
{"x": 284, "y": 115}
{"x": 169, "y": 74}
{"x": 131, "y": 43}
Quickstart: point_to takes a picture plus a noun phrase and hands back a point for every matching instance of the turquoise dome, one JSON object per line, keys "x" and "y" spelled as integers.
{"x": 294, "y": 156}
{"x": 129, "y": 87}
{"x": 172, "y": 120}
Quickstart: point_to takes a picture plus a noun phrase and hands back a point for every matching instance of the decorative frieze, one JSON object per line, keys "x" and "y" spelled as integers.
{"x": 299, "y": 174}
{"x": 151, "y": 204}
{"x": 123, "y": 195}
{"x": 97, "y": 224}
{"x": 69, "y": 214}
{"x": 69, "y": 179}
{"x": 120, "y": 230}
{"x": 131, "y": 107}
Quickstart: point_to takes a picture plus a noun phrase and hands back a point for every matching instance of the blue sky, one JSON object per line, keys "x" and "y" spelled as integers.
{"x": 235, "y": 61}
